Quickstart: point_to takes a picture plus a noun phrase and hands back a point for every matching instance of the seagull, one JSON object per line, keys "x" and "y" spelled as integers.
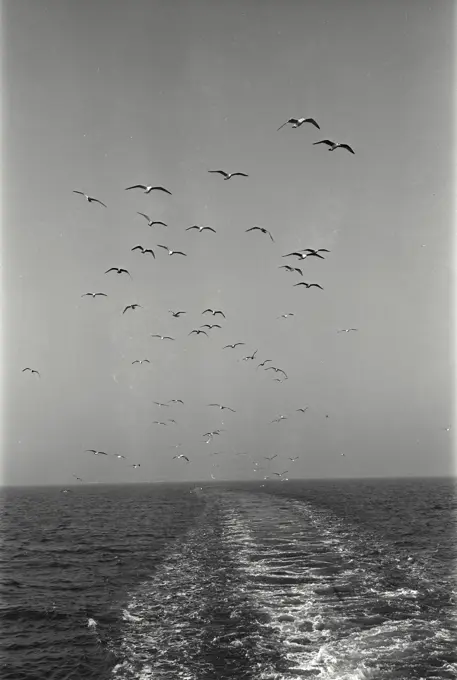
{"x": 308, "y": 285}
{"x": 214, "y": 312}
{"x": 334, "y": 145}
{"x": 198, "y": 331}
{"x": 210, "y": 326}
{"x": 263, "y": 230}
{"x": 342, "y": 454}
{"x": 162, "y": 337}
{"x": 94, "y": 295}
{"x": 141, "y": 361}
{"x": 200, "y": 229}
{"x": 271, "y": 457}
{"x": 172, "y": 252}
{"x": 347, "y": 330}
{"x": 144, "y": 251}
{"x": 294, "y": 459}
{"x": 314, "y": 252}
{"x": 297, "y": 122}
{"x": 96, "y": 453}
{"x": 172, "y": 420}
{"x": 118, "y": 270}
{"x": 284, "y": 316}
{"x": 288, "y": 268}
{"x": 264, "y": 362}
{"x": 133, "y": 307}
{"x": 176, "y": 314}
{"x": 303, "y": 255}
{"x": 279, "y": 474}
{"x": 147, "y": 190}
{"x": 279, "y": 380}
{"x": 90, "y": 199}
{"x": 181, "y": 455}
{"x": 235, "y": 344}
{"x": 228, "y": 175}
{"x": 176, "y": 401}
{"x": 278, "y": 420}
{"x": 152, "y": 222}
{"x": 32, "y": 370}
{"x": 251, "y": 356}
{"x": 135, "y": 465}
{"x": 64, "y": 490}
{"x": 277, "y": 370}
{"x": 159, "y": 403}
{"x": 118, "y": 455}
{"x": 78, "y": 478}
{"x": 223, "y": 407}
{"x": 158, "y": 422}
{"x": 303, "y": 410}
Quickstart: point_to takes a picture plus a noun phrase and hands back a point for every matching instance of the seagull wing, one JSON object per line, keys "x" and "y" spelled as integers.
{"x": 194, "y": 227}
{"x": 125, "y": 271}
{"x": 241, "y": 174}
{"x": 149, "y": 250}
{"x": 165, "y": 247}
{"x": 137, "y": 186}
{"x": 252, "y": 229}
{"x": 113, "y": 269}
{"x": 178, "y": 252}
{"x": 312, "y": 121}
{"x": 79, "y": 192}
{"x": 209, "y": 229}
{"x": 158, "y": 222}
{"x": 161, "y": 189}
{"x": 104, "y": 294}
{"x": 137, "y": 248}
{"x": 291, "y": 120}
{"x": 219, "y": 312}
{"x": 346, "y": 146}
{"x": 219, "y": 172}
{"x": 324, "y": 141}
{"x": 128, "y": 307}
{"x": 207, "y": 310}
{"x": 95, "y": 200}
{"x": 269, "y": 234}
{"x": 144, "y": 215}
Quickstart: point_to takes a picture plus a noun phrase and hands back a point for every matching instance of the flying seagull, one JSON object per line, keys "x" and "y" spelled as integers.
{"x": 303, "y": 255}
{"x": 181, "y": 455}
{"x": 214, "y": 312}
{"x": 118, "y": 455}
{"x": 176, "y": 401}
{"x": 96, "y": 453}
{"x": 210, "y": 325}
{"x": 308, "y": 285}
{"x": 94, "y": 294}
{"x": 144, "y": 250}
{"x": 284, "y": 316}
{"x": 176, "y": 314}
{"x": 141, "y": 361}
{"x": 263, "y": 230}
{"x": 347, "y": 330}
{"x": 158, "y": 422}
{"x": 303, "y": 410}
{"x": 135, "y": 465}
{"x": 312, "y": 251}
{"x": 277, "y": 370}
{"x": 228, "y": 175}
{"x": 90, "y": 199}
{"x": 118, "y": 270}
{"x": 334, "y": 145}
{"x": 219, "y": 406}
{"x": 198, "y": 331}
{"x": 271, "y": 457}
{"x": 32, "y": 370}
{"x": 78, "y": 478}
{"x": 251, "y": 356}
{"x": 264, "y": 362}
{"x": 172, "y": 252}
{"x": 159, "y": 403}
{"x": 294, "y": 459}
{"x": 147, "y": 190}
{"x": 133, "y": 307}
{"x": 288, "y": 268}
{"x": 152, "y": 222}
{"x": 235, "y": 344}
{"x": 200, "y": 229}
{"x": 278, "y": 420}
{"x": 296, "y": 122}
{"x": 279, "y": 474}
{"x": 162, "y": 337}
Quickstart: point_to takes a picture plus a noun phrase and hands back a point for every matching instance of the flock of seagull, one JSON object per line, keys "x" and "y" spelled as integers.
{"x": 204, "y": 329}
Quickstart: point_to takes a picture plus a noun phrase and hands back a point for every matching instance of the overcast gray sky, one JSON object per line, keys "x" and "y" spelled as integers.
{"x": 102, "y": 94}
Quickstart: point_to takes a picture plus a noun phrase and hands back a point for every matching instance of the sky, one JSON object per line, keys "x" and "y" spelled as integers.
{"x": 99, "y": 95}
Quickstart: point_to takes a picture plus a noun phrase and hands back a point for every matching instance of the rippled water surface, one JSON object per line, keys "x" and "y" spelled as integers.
{"x": 330, "y": 580}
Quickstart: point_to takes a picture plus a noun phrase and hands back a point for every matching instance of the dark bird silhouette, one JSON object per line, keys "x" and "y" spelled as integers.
{"x": 312, "y": 251}
{"x": 200, "y": 229}
{"x": 334, "y": 145}
{"x": 118, "y": 270}
{"x": 198, "y": 331}
{"x": 264, "y": 362}
{"x": 214, "y": 312}
{"x": 210, "y": 325}
{"x": 172, "y": 252}
{"x": 145, "y": 250}
{"x": 176, "y": 401}
{"x": 278, "y": 419}
{"x": 96, "y": 453}
{"x": 297, "y": 122}
{"x": 276, "y": 370}
{"x": 288, "y": 268}
{"x": 284, "y": 316}
{"x": 235, "y": 344}
{"x": 162, "y": 337}
{"x": 89, "y": 199}
{"x": 176, "y": 314}
{"x": 308, "y": 285}
{"x": 222, "y": 408}
{"x": 271, "y": 457}
{"x": 141, "y": 361}
{"x": 135, "y": 465}
{"x": 302, "y": 255}
{"x": 132, "y": 307}
{"x": 152, "y": 222}
{"x": 263, "y": 230}
{"x": 181, "y": 455}
{"x": 159, "y": 403}
{"x": 147, "y": 189}
{"x": 32, "y": 370}
{"x": 228, "y": 175}
{"x": 303, "y": 410}
{"x": 251, "y": 356}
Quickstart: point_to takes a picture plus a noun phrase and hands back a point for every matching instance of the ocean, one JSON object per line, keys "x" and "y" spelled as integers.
{"x": 333, "y": 580}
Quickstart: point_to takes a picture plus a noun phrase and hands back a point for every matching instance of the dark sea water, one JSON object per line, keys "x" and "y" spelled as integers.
{"x": 332, "y": 580}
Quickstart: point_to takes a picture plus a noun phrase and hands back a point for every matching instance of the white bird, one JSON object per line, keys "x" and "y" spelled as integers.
{"x": 147, "y": 189}
{"x": 294, "y": 459}
{"x": 152, "y": 222}
{"x": 347, "y": 330}
{"x": 89, "y": 199}
{"x": 263, "y": 230}
{"x": 200, "y": 229}
{"x": 144, "y": 251}
{"x": 32, "y": 370}
{"x": 334, "y": 145}
{"x": 181, "y": 455}
{"x": 297, "y": 122}
{"x": 162, "y": 337}
{"x": 132, "y": 307}
{"x": 141, "y": 361}
{"x": 228, "y": 175}
{"x": 118, "y": 455}
{"x": 278, "y": 420}
{"x": 172, "y": 252}
{"x": 94, "y": 295}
